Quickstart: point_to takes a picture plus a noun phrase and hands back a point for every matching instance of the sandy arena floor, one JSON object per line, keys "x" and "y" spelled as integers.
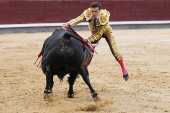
{"x": 146, "y": 56}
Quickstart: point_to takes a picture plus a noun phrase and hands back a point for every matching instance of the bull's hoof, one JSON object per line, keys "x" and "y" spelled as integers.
{"x": 70, "y": 95}
{"x": 96, "y": 97}
{"x": 48, "y": 95}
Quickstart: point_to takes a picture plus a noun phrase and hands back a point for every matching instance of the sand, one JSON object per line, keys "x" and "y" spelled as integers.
{"x": 146, "y": 56}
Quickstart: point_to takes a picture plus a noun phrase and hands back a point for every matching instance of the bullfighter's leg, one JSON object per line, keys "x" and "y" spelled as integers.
{"x": 108, "y": 35}
{"x": 71, "y": 81}
{"x": 85, "y": 75}
{"x": 48, "y": 95}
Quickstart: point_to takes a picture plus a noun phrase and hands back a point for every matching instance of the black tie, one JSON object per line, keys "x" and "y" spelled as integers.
{"x": 95, "y": 22}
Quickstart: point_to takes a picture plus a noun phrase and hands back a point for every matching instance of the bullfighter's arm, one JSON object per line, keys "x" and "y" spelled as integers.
{"x": 77, "y": 20}
{"x": 98, "y": 34}
{"x": 104, "y": 20}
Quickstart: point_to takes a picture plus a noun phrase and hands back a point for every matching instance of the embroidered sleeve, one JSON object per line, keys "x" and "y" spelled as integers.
{"x": 97, "y": 35}
{"x": 77, "y": 20}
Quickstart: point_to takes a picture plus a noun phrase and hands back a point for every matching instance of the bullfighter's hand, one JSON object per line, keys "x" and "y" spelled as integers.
{"x": 66, "y": 24}
{"x": 86, "y": 40}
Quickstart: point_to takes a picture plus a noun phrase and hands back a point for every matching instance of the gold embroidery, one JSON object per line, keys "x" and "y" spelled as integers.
{"x": 95, "y": 34}
{"x": 104, "y": 17}
{"x": 111, "y": 40}
{"x": 101, "y": 28}
{"x": 87, "y": 14}
{"x": 77, "y": 20}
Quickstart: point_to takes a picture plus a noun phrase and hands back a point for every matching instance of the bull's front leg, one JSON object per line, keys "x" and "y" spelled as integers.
{"x": 84, "y": 73}
{"x": 48, "y": 94}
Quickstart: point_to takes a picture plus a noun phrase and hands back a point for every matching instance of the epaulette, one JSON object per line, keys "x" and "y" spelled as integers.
{"x": 104, "y": 17}
{"x": 87, "y": 14}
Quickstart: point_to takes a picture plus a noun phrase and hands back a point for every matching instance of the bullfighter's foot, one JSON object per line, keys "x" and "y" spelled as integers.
{"x": 96, "y": 97}
{"x": 48, "y": 95}
{"x": 126, "y": 77}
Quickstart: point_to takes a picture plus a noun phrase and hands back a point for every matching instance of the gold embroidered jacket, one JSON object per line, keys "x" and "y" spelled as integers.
{"x": 101, "y": 24}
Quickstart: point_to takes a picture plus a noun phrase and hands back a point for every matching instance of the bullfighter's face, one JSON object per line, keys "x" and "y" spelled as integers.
{"x": 95, "y": 12}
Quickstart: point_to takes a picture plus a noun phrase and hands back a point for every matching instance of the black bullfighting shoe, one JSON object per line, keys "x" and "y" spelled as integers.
{"x": 126, "y": 77}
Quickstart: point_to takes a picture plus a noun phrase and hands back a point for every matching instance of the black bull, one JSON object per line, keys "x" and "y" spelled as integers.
{"x": 64, "y": 53}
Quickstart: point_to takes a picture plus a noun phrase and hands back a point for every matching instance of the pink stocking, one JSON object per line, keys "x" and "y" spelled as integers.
{"x": 122, "y": 66}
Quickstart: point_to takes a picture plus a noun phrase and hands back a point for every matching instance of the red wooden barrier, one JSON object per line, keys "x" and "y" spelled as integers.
{"x": 36, "y": 11}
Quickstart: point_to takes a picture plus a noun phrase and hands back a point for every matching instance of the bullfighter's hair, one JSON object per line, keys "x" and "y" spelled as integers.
{"x": 96, "y": 4}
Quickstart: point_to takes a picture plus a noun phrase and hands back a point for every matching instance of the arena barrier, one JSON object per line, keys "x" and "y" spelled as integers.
{"x": 50, "y": 27}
